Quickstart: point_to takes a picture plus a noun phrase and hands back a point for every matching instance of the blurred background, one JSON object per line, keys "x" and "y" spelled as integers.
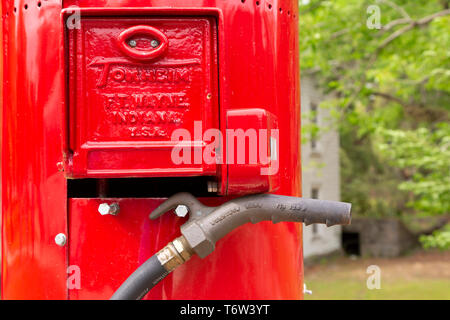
{"x": 376, "y": 132}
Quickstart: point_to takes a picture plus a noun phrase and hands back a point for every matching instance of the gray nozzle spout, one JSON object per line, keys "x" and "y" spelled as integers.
{"x": 209, "y": 224}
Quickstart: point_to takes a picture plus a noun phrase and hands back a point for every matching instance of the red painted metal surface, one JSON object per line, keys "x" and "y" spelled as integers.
{"x": 140, "y": 51}
{"x": 123, "y": 112}
{"x": 34, "y": 205}
{"x": 253, "y": 169}
{"x": 107, "y": 252}
{"x": 257, "y": 49}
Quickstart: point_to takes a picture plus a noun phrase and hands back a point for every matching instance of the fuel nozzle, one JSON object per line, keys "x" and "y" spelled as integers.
{"x": 206, "y": 225}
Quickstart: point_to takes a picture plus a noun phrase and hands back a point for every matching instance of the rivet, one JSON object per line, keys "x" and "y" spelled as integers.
{"x": 154, "y": 43}
{"x": 61, "y": 239}
{"x": 132, "y": 43}
{"x": 60, "y": 166}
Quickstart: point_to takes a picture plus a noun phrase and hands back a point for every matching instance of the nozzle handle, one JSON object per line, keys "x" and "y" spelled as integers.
{"x": 206, "y": 225}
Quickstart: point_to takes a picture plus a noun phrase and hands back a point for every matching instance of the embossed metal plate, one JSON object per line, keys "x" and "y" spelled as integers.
{"x": 131, "y": 83}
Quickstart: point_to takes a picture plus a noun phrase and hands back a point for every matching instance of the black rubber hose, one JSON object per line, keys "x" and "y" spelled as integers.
{"x": 213, "y": 223}
{"x": 141, "y": 281}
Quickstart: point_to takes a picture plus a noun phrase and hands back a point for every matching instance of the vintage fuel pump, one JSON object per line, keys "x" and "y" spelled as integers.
{"x": 112, "y": 110}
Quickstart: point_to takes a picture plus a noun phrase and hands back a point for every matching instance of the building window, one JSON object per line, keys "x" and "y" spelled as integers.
{"x": 315, "y": 123}
{"x": 315, "y": 195}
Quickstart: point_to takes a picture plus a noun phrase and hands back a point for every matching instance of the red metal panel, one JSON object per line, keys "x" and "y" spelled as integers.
{"x": 34, "y": 191}
{"x": 124, "y": 110}
{"x": 258, "y": 68}
{"x": 252, "y": 152}
{"x": 253, "y": 262}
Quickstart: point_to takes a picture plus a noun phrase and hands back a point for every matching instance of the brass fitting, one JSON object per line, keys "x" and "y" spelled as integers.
{"x": 174, "y": 254}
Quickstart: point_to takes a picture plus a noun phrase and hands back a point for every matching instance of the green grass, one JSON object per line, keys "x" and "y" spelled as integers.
{"x": 418, "y": 275}
{"x": 350, "y": 289}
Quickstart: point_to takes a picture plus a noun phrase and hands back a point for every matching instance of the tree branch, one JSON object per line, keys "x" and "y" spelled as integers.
{"x": 395, "y": 23}
{"x": 339, "y": 33}
{"x": 413, "y": 24}
{"x": 396, "y": 7}
{"x": 433, "y": 16}
{"x": 390, "y": 97}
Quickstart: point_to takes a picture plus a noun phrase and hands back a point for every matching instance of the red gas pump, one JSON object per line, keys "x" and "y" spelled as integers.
{"x": 111, "y": 107}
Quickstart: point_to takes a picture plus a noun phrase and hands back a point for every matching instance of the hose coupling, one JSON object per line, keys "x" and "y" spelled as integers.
{"x": 174, "y": 254}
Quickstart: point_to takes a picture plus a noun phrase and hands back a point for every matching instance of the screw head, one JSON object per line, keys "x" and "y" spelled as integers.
{"x": 60, "y": 166}
{"x": 105, "y": 208}
{"x": 154, "y": 43}
{"x": 132, "y": 43}
{"x": 181, "y": 211}
{"x": 61, "y": 239}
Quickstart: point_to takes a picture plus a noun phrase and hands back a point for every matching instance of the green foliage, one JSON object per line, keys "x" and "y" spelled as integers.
{"x": 391, "y": 93}
{"x": 367, "y": 182}
{"x": 425, "y": 155}
{"x": 439, "y": 239}
{"x": 336, "y": 41}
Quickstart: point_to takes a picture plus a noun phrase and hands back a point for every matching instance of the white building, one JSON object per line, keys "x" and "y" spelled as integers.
{"x": 320, "y": 175}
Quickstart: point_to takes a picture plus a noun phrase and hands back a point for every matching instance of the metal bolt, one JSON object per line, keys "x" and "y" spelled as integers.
{"x": 305, "y": 290}
{"x": 213, "y": 186}
{"x": 154, "y": 43}
{"x": 112, "y": 209}
{"x": 181, "y": 210}
{"x": 132, "y": 43}
{"x": 61, "y": 239}
{"x": 60, "y": 166}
